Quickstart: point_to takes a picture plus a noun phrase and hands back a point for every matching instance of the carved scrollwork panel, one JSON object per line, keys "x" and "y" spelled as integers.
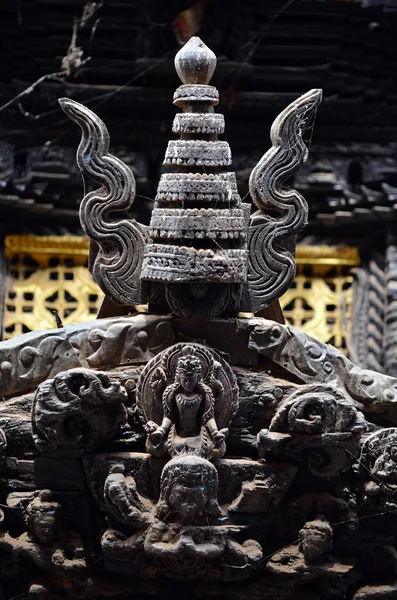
{"x": 378, "y": 466}
{"x": 77, "y": 411}
{"x": 120, "y": 243}
{"x": 282, "y": 211}
{"x": 27, "y": 360}
{"x": 316, "y": 425}
{"x": 315, "y": 362}
{"x": 318, "y": 409}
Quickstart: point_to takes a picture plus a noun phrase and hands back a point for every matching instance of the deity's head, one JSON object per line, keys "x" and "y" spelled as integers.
{"x": 385, "y": 465}
{"x": 189, "y": 370}
{"x": 189, "y": 488}
{"x": 44, "y": 512}
{"x": 117, "y": 468}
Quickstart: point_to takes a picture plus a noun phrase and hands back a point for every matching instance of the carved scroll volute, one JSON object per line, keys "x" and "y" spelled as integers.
{"x": 282, "y": 210}
{"x": 116, "y": 257}
{"x": 76, "y": 412}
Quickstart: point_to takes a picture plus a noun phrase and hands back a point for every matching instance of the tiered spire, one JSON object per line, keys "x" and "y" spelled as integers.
{"x": 198, "y": 225}
{"x": 202, "y": 255}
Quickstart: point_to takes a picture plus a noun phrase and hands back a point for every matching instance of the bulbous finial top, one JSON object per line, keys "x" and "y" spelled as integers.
{"x": 195, "y": 62}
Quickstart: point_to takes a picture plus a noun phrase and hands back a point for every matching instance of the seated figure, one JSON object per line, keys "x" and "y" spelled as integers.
{"x": 188, "y": 424}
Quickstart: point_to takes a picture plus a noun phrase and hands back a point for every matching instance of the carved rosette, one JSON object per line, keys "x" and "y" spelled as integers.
{"x": 76, "y": 412}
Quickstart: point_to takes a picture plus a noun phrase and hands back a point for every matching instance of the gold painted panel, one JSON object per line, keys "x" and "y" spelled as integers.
{"x": 320, "y": 300}
{"x": 46, "y": 274}
{"x": 50, "y": 273}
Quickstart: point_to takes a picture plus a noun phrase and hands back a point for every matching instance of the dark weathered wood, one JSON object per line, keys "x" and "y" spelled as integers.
{"x": 174, "y": 455}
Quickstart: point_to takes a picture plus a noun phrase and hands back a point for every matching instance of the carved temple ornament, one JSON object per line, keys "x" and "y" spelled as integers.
{"x": 202, "y": 255}
{"x": 187, "y": 396}
{"x": 196, "y": 454}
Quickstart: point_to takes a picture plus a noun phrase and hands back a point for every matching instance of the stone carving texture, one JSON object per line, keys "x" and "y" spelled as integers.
{"x": 368, "y": 314}
{"x": 119, "y": 243}
{"x": 316, "y": 425}
{"x": 271, "y": 243}
{"x": 186, "y": 533}
{"x": 197, "y": 252}
{"x": 29, "y": 359}
{"x": 205, "y": 250}
{"x": 76, "y": 411}
{"x": 378, "y": 465}
{"x": 3, "y": 448}
{"x": 390, "y": 332}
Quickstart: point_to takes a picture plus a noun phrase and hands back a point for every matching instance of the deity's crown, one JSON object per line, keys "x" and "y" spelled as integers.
{"x": 190, "y": 364}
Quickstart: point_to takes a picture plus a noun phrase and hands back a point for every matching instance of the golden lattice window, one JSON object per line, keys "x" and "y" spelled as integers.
{"x": 50, "y": 273}
{"x": 47, "y": 273}
{"x": 320, "y": 299}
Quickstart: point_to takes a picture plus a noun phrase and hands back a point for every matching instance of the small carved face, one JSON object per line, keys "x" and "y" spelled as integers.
{"x": 188, "y": 495}
{"x": 188, "y": 380}
{"x": 189, "y": 371}
{"x": 189, "y": 487}
{"x": 44, "y": 525}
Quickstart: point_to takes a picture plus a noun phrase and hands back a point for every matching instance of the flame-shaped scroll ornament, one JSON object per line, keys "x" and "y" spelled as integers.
{"x": 119, "y": 242}
{"x": 202, "y": 255}
{"x": 282, "y": 210}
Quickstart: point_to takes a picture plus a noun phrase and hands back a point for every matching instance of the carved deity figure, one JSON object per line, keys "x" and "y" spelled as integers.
{"x": 378, "y": 465}
{"x": 188, "y": 489}
{"x": 385, "y": 463}
{"x": 44, "y": 543}
{"x": 41, "y": 515}
{"x": 190, "y": 527}
{"x": 188, "y": 424}
{"x": 122, "y": 499}
{"x": 184, "y": 530}
{"x": 39, "y": 511}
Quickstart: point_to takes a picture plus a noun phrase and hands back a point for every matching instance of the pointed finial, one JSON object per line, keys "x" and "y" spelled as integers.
{"x": 195, "y": 62}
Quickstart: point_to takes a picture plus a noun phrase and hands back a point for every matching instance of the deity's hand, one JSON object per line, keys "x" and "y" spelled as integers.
{"x": 157, "y": 382}
{"x": 157, "y": 436}
{"x": 187, "y": 545}
{"x": 150, "y": 427}
{"x": 220, "y": 436}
